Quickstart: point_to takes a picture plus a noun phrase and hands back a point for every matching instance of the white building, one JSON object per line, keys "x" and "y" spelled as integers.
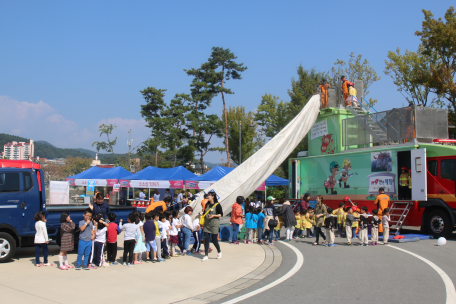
{"x": 19, "y": 150}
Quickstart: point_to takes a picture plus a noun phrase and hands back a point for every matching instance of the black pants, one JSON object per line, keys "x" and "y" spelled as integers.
{"x": 197, "y": 238}
{"x": 319, "y": 232}
{"x": 207, "y": 238}
{"x": 129, "y": 246}
{"x": 164, "y": 246}
{"x": 112, "y": 251}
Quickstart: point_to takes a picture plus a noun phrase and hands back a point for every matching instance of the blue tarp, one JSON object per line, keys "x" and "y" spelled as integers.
{"x": 92, "y": 173}
{"x": 152, "y": 173}
{"x": 218, "y": 172}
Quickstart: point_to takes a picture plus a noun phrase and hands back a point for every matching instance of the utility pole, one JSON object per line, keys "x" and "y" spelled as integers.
{"x": 240, "y": 141}
{"x": 129, "y": 142}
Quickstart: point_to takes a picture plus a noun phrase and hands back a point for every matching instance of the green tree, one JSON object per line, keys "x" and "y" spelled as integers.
{"x": 108, "y": 145}
{"x": 403, "y": 69}
{"x": 438, "y": 38}
{"x": 303, "y": 88}
{"x": 76, "y": 165}
{"x": 152, "y": 111}
{"x": 272, "y": 115}
{"x": 238, "y": 119}
{"x": 355, "y": 68}
{"x": 225, "y": 68}
{"x": 175, "y": 130}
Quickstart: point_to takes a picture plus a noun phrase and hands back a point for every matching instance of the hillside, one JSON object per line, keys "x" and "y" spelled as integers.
{"x": 43, "y": 148}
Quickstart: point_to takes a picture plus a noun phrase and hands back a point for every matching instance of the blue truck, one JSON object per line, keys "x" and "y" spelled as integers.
{"x": 22, "y": 194}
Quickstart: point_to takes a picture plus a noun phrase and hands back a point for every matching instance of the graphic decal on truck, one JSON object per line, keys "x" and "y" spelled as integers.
{"x": 381, "y": 161}
{"x": 346, "y": 166}
{"x": 327, "y": 144}
{"x": 330, "y": 182}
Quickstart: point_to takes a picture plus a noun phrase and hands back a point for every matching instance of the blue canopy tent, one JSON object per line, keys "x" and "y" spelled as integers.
{"x": 91, "y": 173}
{"x": 218, "y": 172}
{"x": 114, "y": 173}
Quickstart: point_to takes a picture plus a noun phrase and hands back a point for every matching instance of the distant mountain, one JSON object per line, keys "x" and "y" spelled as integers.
{"x": 212, "y": 165}
{"x": 43, "y": 148}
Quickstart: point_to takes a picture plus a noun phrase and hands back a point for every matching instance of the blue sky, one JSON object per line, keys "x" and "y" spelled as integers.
{"x": 67, "y": 67}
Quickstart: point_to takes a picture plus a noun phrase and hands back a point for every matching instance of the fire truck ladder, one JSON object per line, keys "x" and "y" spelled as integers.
{"x": 398, "y": 213}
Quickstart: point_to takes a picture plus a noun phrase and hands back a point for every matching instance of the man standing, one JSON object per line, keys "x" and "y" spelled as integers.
{"x": 142, "y": 195}
{"x": 403, "y": 184}
{"x": 236, "y": 218}
{"x": 382, "y": 201}
{"x": 324, "y": 86}
{"x": 345, "y": 89}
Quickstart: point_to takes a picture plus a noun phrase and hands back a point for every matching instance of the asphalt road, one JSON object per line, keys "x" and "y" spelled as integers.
{"x": 352, "y": 274}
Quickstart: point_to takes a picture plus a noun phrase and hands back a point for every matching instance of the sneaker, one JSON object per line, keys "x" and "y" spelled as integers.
{"x": 349, "y": 244}
{"x": 106, "y": 264}
{"x": 189, "y": 253}
{"x": 219, "y": 256}
{"x": 63, "y": 268}
{"x": 249, "y": 242}
{"x": 372, "y": 244}
{"x": 168, "y": 257}
{"x": 235, "y": 243}
{"x": 261, "y": 242}
{"x": 114, "y": 263}
{"x": 125, "y": 264}
{"x": 77, "y": 267}
{"x": 129, "y": 264}
{"x": 210, "y": 248}
{"x": 161, "y": 260}
{"x": 136, "y": 262}
{"x": 154, "y": 261}
{"x": 92, "y": 267}
{"x": 86, "y": 267}
{"x": 245, "y": 241}
{"x": 326, "y": 245}
{"x": 205, "y": 258}
{"x": 332, "y": 245}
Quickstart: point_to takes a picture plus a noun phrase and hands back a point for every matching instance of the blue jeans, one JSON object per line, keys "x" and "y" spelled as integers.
{"x": 187, "y": 234}
{"x": 235, "y": 232}
{"x": 353, "y": 232}
{"x": 38, "y": 248}
{"x": 277, "y": 234}
{"x": 270, "y": 233}
{"x": 84, "y": 249}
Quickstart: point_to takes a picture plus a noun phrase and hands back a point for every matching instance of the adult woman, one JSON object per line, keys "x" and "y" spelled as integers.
{"x": 187, "y": 228}
{"x": 270, "y": 213}
{"x": 100, "y": 207}
{"x": 156, "y": 195}
{"x": 289, "y": 219}
{"x": 213, "y": 212}
{"x": 305, "y": 201}
{"x": 320, "y": 212}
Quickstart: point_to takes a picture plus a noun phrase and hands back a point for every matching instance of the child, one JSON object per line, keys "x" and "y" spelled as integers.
{"x": 41, "y": 239}
{"x": 355, "y": 223}
{"x": 305, "y": 223}
{"x": 196, "y": 235}
{"x": 173, "y": 233}
{"x": 311, "y": 219}
{"x": 349, "y": 221}
{"x": 260, "y": 225}
{"x": 86, "y": 236}
{"x": 111, "y": 240}
{"x": 163, "y": 225}
{"x": 375, "y": 221}
{"x": 96, "y": 257}
{"x": 330, "y": 223}
{"x": 140, "y": 246}
{"x": 385, "y": 221}
{"x": 339, "y": 212}
{"x": 66, "y": 240}
{"x": 363, "y": 222}
{"x": 278, "y": 228}
{"x": 131, "y": 237}
{"x": 298, "y": 227}
{"x": 156, "y": 217}
{"x": 149, "y": 234}
{"x": 251, "y": 220}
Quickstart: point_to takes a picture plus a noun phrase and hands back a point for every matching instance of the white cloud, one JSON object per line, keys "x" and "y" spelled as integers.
{"x": 40, "y": 121}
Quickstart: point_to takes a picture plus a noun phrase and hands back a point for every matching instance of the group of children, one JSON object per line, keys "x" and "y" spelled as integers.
{"x": 348, "y": 221}
{"x": 153, "y": 233}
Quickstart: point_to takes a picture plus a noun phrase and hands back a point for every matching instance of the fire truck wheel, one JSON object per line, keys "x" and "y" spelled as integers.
{"x": 439, "y": 223}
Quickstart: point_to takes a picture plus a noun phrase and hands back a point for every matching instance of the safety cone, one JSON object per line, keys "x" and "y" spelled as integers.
{"x": 134, "y": 203}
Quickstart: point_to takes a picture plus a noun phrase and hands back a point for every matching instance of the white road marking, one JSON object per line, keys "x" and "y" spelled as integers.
{"x": 289, "y": 274}
{"x": 449, "y": 286}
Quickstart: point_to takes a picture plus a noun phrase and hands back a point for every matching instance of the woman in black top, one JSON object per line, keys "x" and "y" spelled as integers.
{"x": 270, "y": 213}
{"x": 212, "y": 224}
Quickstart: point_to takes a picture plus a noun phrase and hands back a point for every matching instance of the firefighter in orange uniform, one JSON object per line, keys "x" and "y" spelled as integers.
{"x": 324, "y": 86}
{"x": 382, "y": 201}
{"x": 345, "y": 89}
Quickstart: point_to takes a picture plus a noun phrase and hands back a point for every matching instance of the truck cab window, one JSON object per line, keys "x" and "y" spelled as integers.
{"x": 447, "y": 169}
{"x": 432, "y": 167}
{"x": 27, "y": 180}
{"x": 9, "y": 182}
